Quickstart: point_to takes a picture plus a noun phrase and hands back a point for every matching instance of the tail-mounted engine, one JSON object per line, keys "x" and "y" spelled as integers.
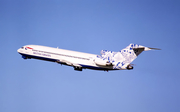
{"x": 129, "y": 67}
{"x": 101, "y": 62}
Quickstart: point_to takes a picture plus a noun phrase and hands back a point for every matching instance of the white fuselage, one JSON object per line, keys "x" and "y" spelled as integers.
{"x": 108, "y": 60}
{"x": 76, "y": 59}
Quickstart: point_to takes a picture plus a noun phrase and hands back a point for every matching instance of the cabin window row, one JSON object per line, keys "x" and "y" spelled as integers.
{"x": 60, "y": 54}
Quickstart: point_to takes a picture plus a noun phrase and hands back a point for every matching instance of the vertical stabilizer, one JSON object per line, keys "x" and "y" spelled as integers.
{"x": 123, "y": 58}
{"x": 131, "y": 52}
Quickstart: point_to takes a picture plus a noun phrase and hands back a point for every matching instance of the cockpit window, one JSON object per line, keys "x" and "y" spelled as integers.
{"x": 22, "y": 47}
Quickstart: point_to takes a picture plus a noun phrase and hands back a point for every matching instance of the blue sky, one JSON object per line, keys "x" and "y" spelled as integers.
{"x": 90, "y": 26}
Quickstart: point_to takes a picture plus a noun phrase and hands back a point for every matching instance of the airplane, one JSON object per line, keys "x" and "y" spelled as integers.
{"x": 108, "y": 60}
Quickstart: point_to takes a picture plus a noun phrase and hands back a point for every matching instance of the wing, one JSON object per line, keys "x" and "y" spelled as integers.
{"x": 75, "y": 65}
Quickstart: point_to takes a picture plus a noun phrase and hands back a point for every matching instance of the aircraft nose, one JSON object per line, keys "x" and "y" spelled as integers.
{"x": 19, "y": 50}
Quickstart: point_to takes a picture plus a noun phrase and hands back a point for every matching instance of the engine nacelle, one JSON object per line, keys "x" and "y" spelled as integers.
{"x": 101, "y": 62}
{"x": 129, "y": 67}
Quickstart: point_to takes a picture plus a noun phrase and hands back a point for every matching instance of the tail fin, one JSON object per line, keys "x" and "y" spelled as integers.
{"x": 131, "y": 52}
{"x": 123, "y": 58}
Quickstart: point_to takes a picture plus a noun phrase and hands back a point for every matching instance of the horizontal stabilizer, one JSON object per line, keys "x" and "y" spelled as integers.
{"x": 154, "y": 48}
{"x": 149, "y": 48}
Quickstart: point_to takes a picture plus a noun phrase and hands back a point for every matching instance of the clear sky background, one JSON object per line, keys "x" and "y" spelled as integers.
{"x": 90, "y": 26}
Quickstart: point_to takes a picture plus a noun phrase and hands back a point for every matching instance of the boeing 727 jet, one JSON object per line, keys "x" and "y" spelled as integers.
{"x": 108, "y": 60}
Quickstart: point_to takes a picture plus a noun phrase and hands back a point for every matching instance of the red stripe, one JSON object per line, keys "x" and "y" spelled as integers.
{"x": 29, "y": 47}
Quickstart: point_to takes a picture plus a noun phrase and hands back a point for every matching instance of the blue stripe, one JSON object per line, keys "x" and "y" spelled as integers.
{"x": 95, "y": 68}
{"x": 38, "y": 57}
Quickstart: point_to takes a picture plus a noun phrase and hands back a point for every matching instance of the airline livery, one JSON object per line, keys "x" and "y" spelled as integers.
{"x": 108, "y": 60}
